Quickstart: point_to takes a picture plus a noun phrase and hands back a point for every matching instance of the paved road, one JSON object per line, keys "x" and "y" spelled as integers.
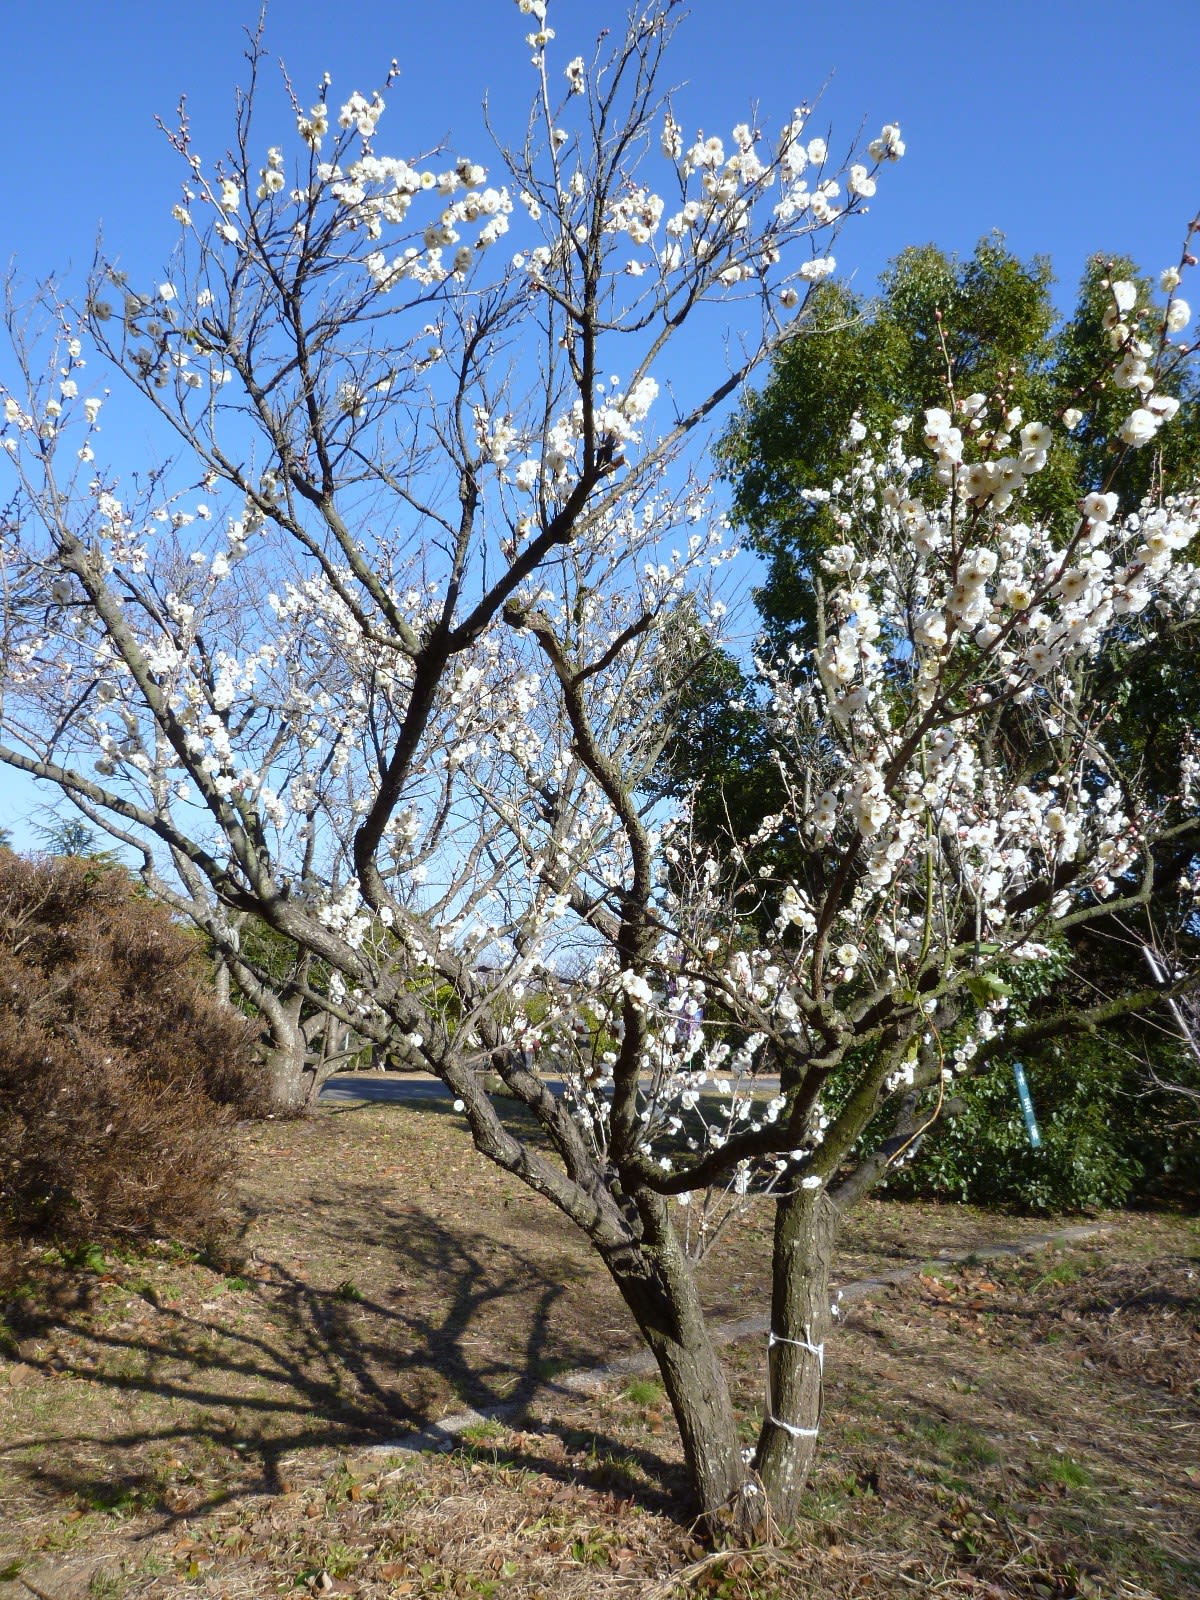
{"x": 418, "y": 1088}
{"x": 404, "y": 1088}
{"x": 400, "y": 1088}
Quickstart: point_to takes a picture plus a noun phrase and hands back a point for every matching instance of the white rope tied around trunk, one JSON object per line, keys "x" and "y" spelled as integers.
{"x": 817, "y": 1350}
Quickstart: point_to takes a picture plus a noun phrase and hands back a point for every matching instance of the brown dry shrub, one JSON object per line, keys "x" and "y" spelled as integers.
{"x": 120, "y": 1072}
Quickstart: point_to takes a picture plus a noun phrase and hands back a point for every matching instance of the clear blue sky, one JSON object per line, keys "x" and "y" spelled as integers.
{"x": 1070, "y": 125}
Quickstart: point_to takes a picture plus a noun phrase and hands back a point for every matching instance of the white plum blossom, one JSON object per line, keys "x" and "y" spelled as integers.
{"x": 889, "y": 146}
{"x": 1139, "y": 427}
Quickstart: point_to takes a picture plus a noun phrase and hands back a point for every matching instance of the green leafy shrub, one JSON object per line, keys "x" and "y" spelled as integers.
{"x": 120, "y": 1072}
{"x": 1107, "y": 1139}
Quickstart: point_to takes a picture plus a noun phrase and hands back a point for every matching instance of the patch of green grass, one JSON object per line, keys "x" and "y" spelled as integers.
{"x": 84, "y": 1258}
{"x": 341, "y": 1560}
{"x": 644, "y": 1392}
{"x": 957, "y": 1445}
{"x": 851, "y": 1435}
{"x": 119, "y": 1500}
{"x": 484, "y": 1433}
{"x": 66, "y": 1535}
{"x": 107, "y": 1585}
{"x": 824, "y": 1500}
{"x": 591, "y": 1549}
{"x": 552, "y": 1367}
{"x": 130, "y": 1254}
{"x": 1062, "y": 1272}
{"x": 975, "y": 1447}
{"x": 341, "y": 1484}
{"x": 1066, "y": 1470}
{"x": 939, "y": 1272}
{"x": 749, "y": 1427}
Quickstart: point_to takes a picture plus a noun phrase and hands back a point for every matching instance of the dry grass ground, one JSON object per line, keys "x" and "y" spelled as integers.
{"x": 1022, "y": 1428}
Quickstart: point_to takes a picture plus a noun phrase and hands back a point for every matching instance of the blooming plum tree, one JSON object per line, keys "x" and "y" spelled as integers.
{"x": 386, "y": 659}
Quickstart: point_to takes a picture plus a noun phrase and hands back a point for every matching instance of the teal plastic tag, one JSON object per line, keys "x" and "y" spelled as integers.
{"x": 1026, "y": 1099}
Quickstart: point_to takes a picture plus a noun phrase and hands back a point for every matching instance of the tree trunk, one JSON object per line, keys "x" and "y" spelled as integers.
{"x": 805, "y": 1231}
{"x": 294, "y": 1072}
{"x": 656, "y": 1283}
{"x": 289, "y": 1078}
{"x": 328, "y": 1042}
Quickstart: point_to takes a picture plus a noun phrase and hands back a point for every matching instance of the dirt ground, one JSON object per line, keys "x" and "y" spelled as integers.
{"x": 1023, "y": 1427}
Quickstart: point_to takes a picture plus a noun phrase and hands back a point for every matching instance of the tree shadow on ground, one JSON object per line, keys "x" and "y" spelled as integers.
{"x": 309, "y": 1370}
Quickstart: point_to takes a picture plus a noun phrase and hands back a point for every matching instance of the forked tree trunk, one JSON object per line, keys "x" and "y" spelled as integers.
{"x": 656, "y": 1283}
{"x": 328, "y": 1043}
{"x": 289, "y": 1079}
{"x": 296, "y": 1065}
{"x": 298, "y": 1056}
{"x": 805, "y": 1232}
{"x": 288, "y": 1086}
{"x": 294, "y": 1072}
{"x": 737, "y": 1500}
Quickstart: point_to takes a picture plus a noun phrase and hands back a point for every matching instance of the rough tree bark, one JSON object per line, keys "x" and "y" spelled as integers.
{"x": 657, "y": 1283}
{"x": 802, "y": 1259}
